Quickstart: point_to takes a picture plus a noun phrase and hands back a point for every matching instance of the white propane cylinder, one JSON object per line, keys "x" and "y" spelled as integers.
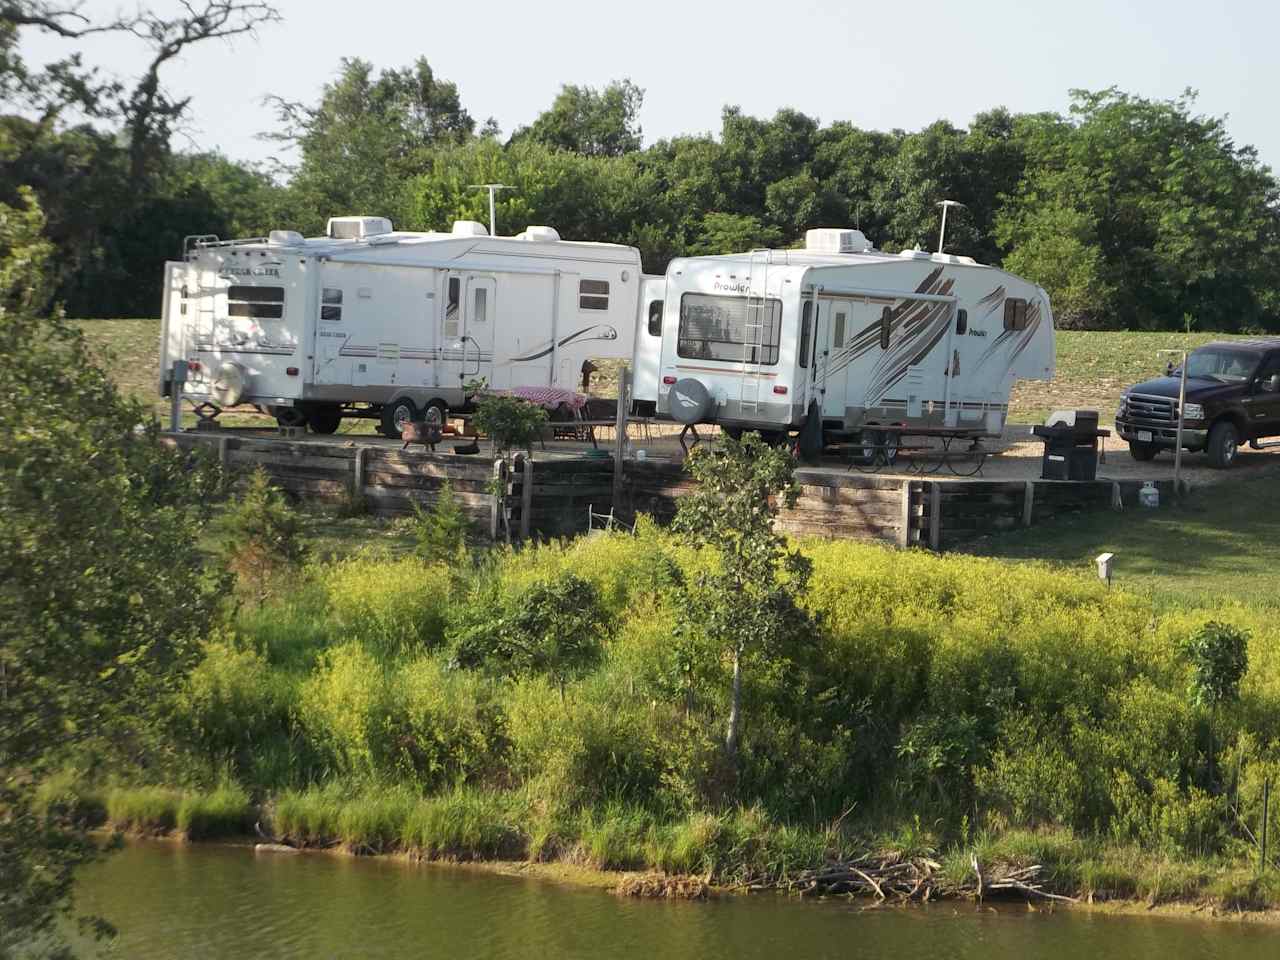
{"x": 1149, "y": 495}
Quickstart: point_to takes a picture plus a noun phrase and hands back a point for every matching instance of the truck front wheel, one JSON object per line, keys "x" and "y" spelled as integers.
{"x": 1224, "y": 438}
{"x": 1142, "y": 452}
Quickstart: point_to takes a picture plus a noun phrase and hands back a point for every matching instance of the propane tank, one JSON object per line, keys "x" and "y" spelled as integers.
{"x": 1149, "y": 495}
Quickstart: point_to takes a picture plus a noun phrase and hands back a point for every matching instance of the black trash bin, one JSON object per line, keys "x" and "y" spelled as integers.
{"x": 1070, "y": 446}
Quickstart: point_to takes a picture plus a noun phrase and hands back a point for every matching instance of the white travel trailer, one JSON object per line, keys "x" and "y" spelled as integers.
{"x": 372, "y": 322}
{"x": 860, "y": 338}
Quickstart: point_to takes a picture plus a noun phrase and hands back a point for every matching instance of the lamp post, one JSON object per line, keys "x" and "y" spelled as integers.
{"x": 1182, "y": 399}
{"x": 493, "y": 189}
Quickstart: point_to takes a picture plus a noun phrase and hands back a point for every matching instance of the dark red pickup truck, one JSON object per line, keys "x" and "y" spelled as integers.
{"x": 1233, "y": 397}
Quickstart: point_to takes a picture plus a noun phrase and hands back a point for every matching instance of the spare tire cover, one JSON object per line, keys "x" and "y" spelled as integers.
{"x": 691, "y": 402}
{"x": 229, "y": 384}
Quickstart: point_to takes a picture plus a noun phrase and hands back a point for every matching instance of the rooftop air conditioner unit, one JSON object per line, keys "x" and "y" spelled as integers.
{"x": 469, "y": 228}
{"x": 357, "y": 228}
{"x": 541, "y": 234}
{"x": 834, "y": 240}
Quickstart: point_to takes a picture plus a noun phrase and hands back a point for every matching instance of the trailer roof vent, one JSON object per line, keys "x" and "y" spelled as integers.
{"x": 541, "y": 234}
{"x": 835, "y": 240}
{"x": 469, "y": 228}
{"x": 915, "y": 254}
{"x": 357, "y": 228}
{"x": 284, "y": 238}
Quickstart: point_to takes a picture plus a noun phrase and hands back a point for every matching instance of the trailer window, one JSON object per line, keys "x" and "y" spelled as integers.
{"x": 806, "y": 333}
{"x": 655, "y": 318}
{"x": 481, "y": 312}
{"x": 962, "y": 322}
{"x": 837, "y": 335}
{"x": 886, "y": 322}
{"x": 723, "y": 328}
{"x": 593, "y": 294}
{"x": 262, "y": 303}
{"x": 451, "y": 307}
{"x": 331, "y": 304}
{"x": 1015, "y": 314}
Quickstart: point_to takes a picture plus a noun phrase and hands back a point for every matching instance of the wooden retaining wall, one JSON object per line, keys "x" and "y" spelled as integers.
{"x": 391, "y": 481}
{"x": 929, "y": 513}
{"x": 907, "y": 512}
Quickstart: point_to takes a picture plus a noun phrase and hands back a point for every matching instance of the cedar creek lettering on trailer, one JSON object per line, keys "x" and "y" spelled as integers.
{"x": 251, "y": 270}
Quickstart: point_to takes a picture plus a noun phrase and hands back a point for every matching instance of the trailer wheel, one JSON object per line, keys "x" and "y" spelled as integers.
{"x": 324, "y": 419}
{"x": 396, "y": 416}
{"x": 290, "y": 416}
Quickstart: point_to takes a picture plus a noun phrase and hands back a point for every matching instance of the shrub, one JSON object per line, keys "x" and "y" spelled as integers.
{"x": 440, "y": 534}
{"x": 258, "y": 537}
{"x": 509, "y": 421}
{"x": 344, "y": 708}
{"x": 553, "y": 627}
{"x": 1219, "y": 656}
{"x": 147, "y": 808}
{"x": 446, "y": 727}
{"x": 585, "y": 748}
{"x": 391, "y": 606}
{"x": 232, "y": 702}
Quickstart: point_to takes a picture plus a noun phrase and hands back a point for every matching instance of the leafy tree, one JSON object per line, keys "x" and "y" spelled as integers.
{"x": 746, "y": 605}
{"x": 102, "y": 591}
{"x": 734, "y": 233}
{"x": 366, "y": 136}
{"x": 594, "y": 123}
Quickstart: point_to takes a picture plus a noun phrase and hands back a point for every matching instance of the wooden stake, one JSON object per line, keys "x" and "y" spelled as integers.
{"x": 935, "y": 515}
{"x": 620, "y": 427}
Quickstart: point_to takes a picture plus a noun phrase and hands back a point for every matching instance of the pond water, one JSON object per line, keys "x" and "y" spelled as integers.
{"x": 220, "y": 902}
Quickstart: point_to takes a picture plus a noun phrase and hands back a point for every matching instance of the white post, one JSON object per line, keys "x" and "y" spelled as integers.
{"x": 1177, "y": 450}
{"x": 493, "y": 216}
{"x": 942, "y": 231}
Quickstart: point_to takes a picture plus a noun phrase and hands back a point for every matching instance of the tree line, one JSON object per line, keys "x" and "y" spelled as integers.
{"x": 1132, "y": 213}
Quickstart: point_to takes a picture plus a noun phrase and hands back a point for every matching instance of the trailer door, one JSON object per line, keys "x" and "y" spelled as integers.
{"x": 478, "y": 321}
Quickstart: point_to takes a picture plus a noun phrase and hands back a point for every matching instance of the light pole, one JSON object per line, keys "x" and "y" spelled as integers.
{"x": 942, "y": 232}
{"x": 1182, "y": 400}
{"x": 493, "y": 189}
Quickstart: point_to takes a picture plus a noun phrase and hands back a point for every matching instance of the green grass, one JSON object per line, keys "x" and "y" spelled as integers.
{"x": 1221, "y": 542}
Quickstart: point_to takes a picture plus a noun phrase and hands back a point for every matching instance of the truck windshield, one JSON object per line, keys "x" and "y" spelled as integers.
{"x": 1228, "y": 366}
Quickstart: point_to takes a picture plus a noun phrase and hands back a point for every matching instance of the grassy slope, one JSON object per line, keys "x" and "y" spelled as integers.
{"x": 1222, "y": 542}
{"x": 1092, "y": 367}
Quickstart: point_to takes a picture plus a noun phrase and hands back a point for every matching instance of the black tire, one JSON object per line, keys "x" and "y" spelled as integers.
{"x": 324, "y": 419}
{"x": 1224, "y": 438}
{"x": 290, "y": 417}
{"x": 733, "y": 433}
{"x": 1142, "y": 452}
{"x": 395, "y": 415}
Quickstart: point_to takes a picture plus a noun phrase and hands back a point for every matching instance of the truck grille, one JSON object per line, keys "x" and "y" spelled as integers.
{"x": 1141, "y": 406}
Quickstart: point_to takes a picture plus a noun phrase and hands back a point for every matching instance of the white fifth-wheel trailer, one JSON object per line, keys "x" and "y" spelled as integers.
{"x": 869, "y": 342}
{"x": 369, "y": 321}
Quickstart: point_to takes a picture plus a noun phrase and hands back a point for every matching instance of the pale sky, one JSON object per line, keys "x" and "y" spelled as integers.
{"x": 877, "y": 65}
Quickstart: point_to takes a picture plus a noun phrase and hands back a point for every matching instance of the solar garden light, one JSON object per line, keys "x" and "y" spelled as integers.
{"x": 1104, "y": 562}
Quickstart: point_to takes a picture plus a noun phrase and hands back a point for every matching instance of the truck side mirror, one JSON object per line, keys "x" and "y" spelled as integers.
{"x": 1168, "y": 369}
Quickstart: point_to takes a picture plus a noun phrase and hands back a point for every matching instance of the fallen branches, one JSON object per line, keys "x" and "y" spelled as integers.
{"x": 917, "y": 879}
